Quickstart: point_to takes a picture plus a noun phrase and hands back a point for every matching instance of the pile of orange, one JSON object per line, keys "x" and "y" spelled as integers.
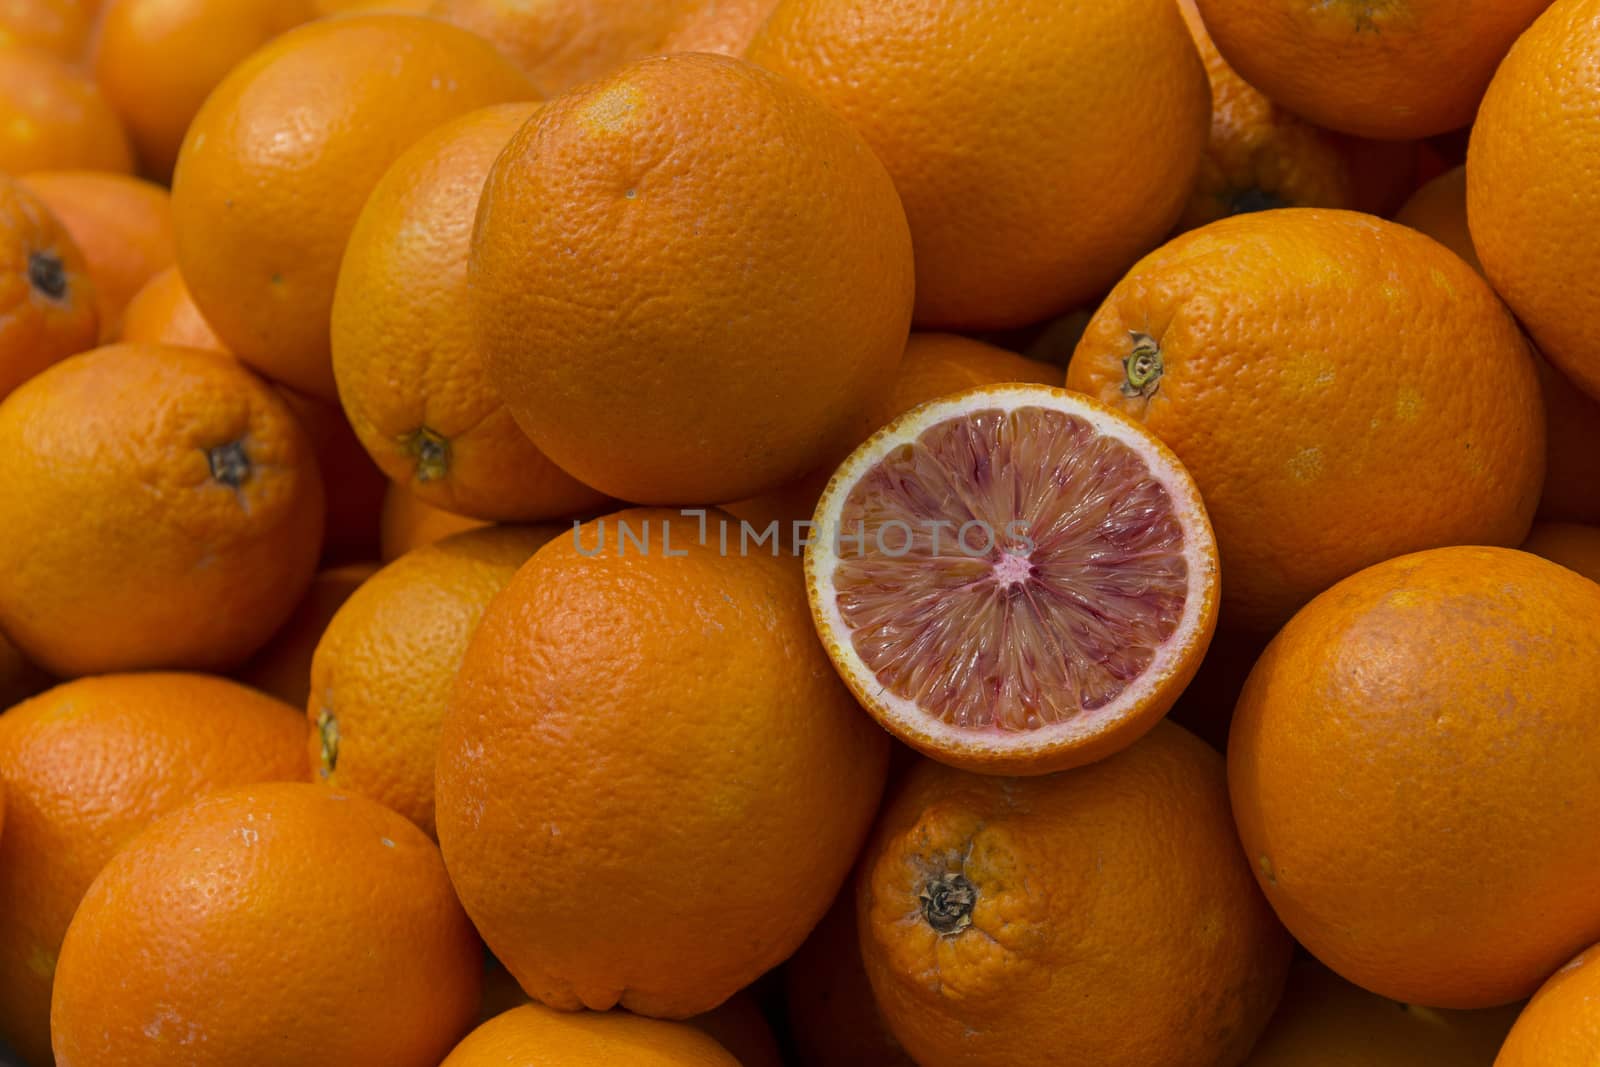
{"x": 564, "y": 532}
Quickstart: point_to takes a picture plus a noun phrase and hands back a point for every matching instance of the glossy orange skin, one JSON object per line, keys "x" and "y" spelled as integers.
{"x": 353, "y": 486}
{"x": 404, "y": 354}
{"x": 261, "y": 225}
{"x": 330, "y": 919}
{"x": 58, "y": 27}
{"x": 200, "y": 571}
{"x": 283, "y": 668}
{"x": 833, "y": 1019}
{"x": 1462, "y": 674}
{"x": 384, "y": 667}
{"x": 764, "y": 768}
{"x": 86, "y": 766}
{"x": 1529, "y": 194}
{"x": 1077, "y": 953}
{"x": 53, "y": 118}
{"x": 727, "y": 325}
{"x": 164, "y": 312}
{"x": 406, "y": 523}
{"x": 535, "y": 1036}
{"x": 1573, "y": 546}
{"x": 1374, "y": 68}
{"x": 1312, "y": 384}
{"x": 1560, "y": 1027}
{"x": 1000, "y": 123}
{"x": 37, "y": 327}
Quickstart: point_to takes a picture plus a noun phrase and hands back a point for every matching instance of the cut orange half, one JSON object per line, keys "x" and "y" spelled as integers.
{"x": 1015, "y": 579}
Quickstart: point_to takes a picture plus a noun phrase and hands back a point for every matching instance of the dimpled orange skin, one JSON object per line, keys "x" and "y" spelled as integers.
{"x": 717, "y": 777}
{"x": 744, "y": 293}
{"x": 1260, "y": 156}
{"x": 1532, "y": 191}
{"x": 1560, "y": 1027}
{"x": 330, "y": 923}
{"x": 410, "y": 373}
{"x": 833, "y": 1019}
{"x": 1100, "y": 932}
{"x": 164, "y": 312}
{"x": 165, "y": 511}
{"x": 383, "y": 670}
{"x": 86, "y": 766}
{"x": 1573, "y": 546}
{"x": 283, "y": 668}
{"x": 47, "y": 302}
{"x": 1001, "y": 124}
{"x": 1438, "y": 691}
{"x": 535, "y": 1036}
{"x": 406, "y": 523}
{"x": 53, "y": 118}
{"x": 1375, "y": 68}
{"x": 353, "y": 486}
{"x": 1314, "y": 384}
{"x": 262, "y": 222}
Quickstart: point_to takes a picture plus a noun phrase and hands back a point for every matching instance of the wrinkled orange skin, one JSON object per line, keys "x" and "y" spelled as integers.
{"x": 1313, "y": 385}
{"x": 86, "y": 766}
{"x": 538, "y": 1037}
{"x": 763, "y": 766}
{"x": 1102, "y": 932}
{"x": 407, "y": 523}
{"x": 1000, "y": 123}
{"x": 332, "y": 926}
{"x": 1374, "y": 68}
{"x": 164, "y": 312}
{"x": 59, "y": 27}
{"x": 832, "y": 1017}
{"x": 261, "y": 222}
{"x": 126, "y": 551}
{"x": 1560, "y": 1027}
{"x": 1440, "y": 691}
{"x": 53, "y": 118}
{"x": 1573, "y": 546}
{"x": 404, "y": 353}
{"x": 353, "y": 486}
{"x": 283, "y": 668}
{"x": 38, "y": 329}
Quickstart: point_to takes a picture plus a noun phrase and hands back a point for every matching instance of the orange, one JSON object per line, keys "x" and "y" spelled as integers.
{"x": 88, "y": 765}
{"x": 337, "y": 7}
{"x": 262, "y": 222}
{"x": 1052, "y": 921}
{"x": 1374, "y": 68}
{"x": 535, "y": 1036}
{"x": 717, "y": 779}
{"x": 1528, "y": 199}
{"x": 832, "y": 1017}
{"x": 410, "y": 373}
{"x": 164, "y": 510}
{"x": 123, "y": 226}
{"x": 1444, "y": 690}
{"x": 1561, "y": 1025}
{"x": 47, "y": 301}
{"x": 1569, "y": 544}
{"x": 19, "y": 679}
{"x": 283, "y": 667}
{"x": 1325, "y": 1021}
{"x": 157, "y": 60}
{"x": 164, "y": 312}
{"x": 1306, "y": 367}
{"x": 384, "y": 667}
{"x": 1260, "y": 156}
{"x": 1439, "y": 209}
{"x": 739, "y": 304}
{"x": 1001, "y": 124}
{"x": 58, "y": 27}
{"x": 328, "y": 920}
{"x": 53, "y": 118}
{"x": 739, "y": 1027}
{"x": 353, "y": 485}
{"x": 406, "y": 523}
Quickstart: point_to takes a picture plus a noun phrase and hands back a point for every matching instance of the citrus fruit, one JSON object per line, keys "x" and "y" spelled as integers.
{"x": 832, "y": 1016}
{"x": 1439, "y": 209}
{"x": 353, "y": 486}
{"x": 1048, "y": 920}
{"x": 406, "y": 522}
{"x": 53, "y": 118}
{"x": 1527, "y": 200}
{"x": 1374, "y": 68}
{"x": 740, "y": 302}
{"x": 122, "y": 224}
{"x": 383, "y": 669}
{"x": 538, "y": 1037}
{"x": 86, "y": 766}
{"x": 1014, "y": 579}
{"x": 263, "y": 218}
{"x": 157, "y": 60}
{"x": 1561, "y": 1025}
{"x": 1442, "y": 705}
{"x": 999, "y": 124}
{"x": 164, "y": 509}
{"x": 283, "y": 668}
{"x": 58, "y": 27}
{"x": 163, "y": 312}
{"x": 48, "y": 311}
{"x": 705, "y": 815}
{"x": 328, "y": 920}
{"x": 410, "y": 374}
{"x": 739, "y": 1026}
{"x": 1573, "y": 546}
{"x": 1306, "y": 366}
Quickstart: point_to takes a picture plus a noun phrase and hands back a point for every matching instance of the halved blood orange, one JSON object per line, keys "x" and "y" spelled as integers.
{"x": 1015, "y": 579}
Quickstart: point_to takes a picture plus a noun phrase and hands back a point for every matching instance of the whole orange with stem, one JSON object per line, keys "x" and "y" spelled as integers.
{"x": 54, "y": 118}
{"x": 163, "y": 312}
{"x": 410, "y": 371}
{"x": 86, "y": 766}
{"x": 1561, "y": 1024}
{"x": 1404, "y": 672}
{"x": 999, "y": 124}
{"x": 536, "y": 1035}
{"x": 330, "y": 919}
{"x": 1304, "y": 364}
{"x": 283, "y": 667}
{"x": 353, "y": 486}
{"x": 739, "y": 305}
{"x": 1570, "y": 544}
{"x": 383, "y": 670}
{"x": 209, "y": 483}
{"x": 57, "y": 27}
{"x": 833, "y": 1019}
{"x": 262, "y": 223}
{"x": 407, "y": 522}
{"x": 47, "y": 300}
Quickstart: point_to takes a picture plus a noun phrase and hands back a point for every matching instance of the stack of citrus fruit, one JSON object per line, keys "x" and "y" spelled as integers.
{"x": 544, "y": 533}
